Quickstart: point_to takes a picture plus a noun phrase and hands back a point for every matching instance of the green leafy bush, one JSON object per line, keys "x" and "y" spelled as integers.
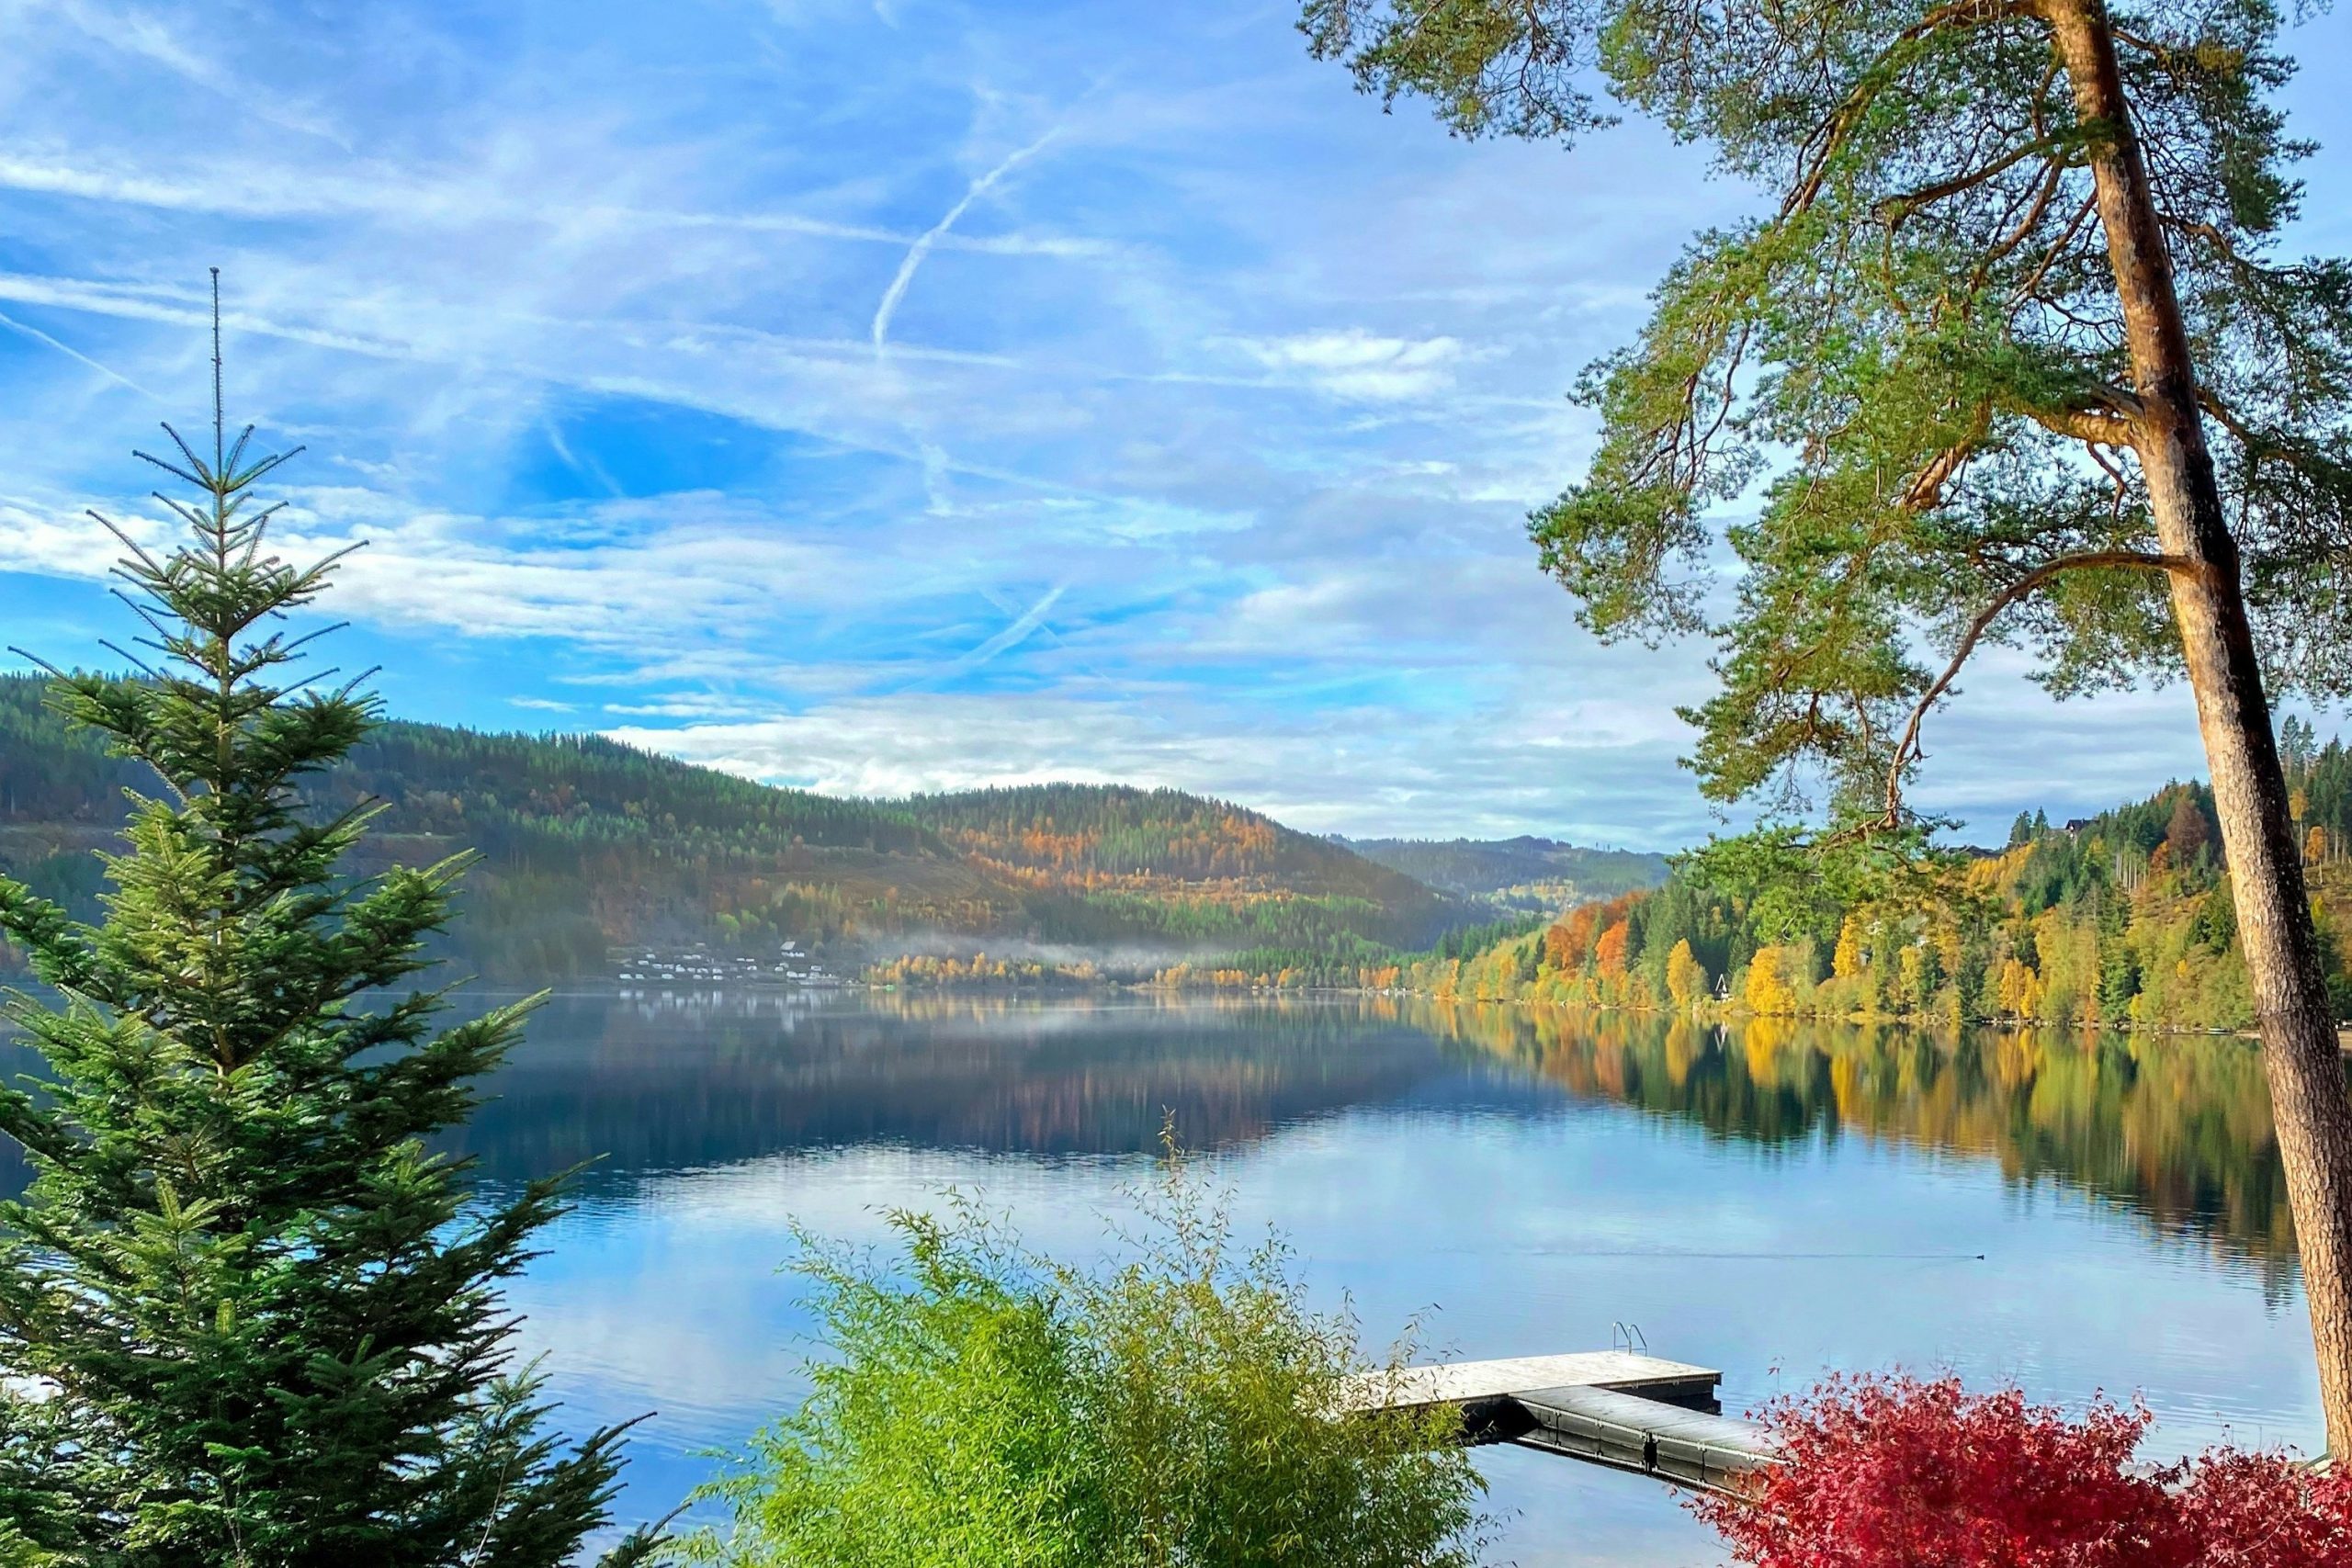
{"x": 984, "y": 1405}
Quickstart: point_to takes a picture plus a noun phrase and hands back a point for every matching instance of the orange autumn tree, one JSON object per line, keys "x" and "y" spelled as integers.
{"x": 1608, "y": 952}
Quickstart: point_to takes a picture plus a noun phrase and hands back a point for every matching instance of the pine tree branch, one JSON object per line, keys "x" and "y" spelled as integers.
{"x": 2053, "y": 179}
{"x": 1822, "y": 147}
{"x": 1908, "y": 749}
{"x": 2112, "y": 421}
{"x": 2220, "y": 413}
{"x": 2024, "y": 290}
{"x": 1926, "y": 491}
{"x": 1893, "y": 209}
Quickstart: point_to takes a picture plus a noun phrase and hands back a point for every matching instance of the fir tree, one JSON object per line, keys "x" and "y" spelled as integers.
{"x": 245, "y": 1317}
{"x": 2298, "y": 747}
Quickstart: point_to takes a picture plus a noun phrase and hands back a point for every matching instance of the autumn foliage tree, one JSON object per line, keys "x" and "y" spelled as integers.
{"x": 1768, "y": 992}
{"x": 1686, "y": 977}
{"x": 2009, "y": 354}
{"x": 1901, "y": 1472}
{"x": 2188, "y": 832}
{"x": 1608, "y": 952}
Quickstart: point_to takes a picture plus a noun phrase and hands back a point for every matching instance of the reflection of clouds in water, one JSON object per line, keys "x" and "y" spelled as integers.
{"x": 682, "y": 1299}
{"x": 1533, "y": 1213}
{"x": 1753, "y": 1202}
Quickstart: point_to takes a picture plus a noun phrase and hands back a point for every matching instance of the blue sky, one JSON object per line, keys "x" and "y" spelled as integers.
{"x": 879, "y": 394}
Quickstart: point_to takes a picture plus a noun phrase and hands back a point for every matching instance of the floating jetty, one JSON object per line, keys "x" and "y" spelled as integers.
{"x": 1617, "y": 1408}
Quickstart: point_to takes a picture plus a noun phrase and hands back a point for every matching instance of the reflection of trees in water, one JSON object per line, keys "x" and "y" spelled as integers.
{"x": 2176, "y": 1127}
{"x": 649, "y": 1089}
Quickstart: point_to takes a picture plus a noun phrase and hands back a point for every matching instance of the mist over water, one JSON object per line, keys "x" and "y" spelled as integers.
{"x": 2074, "y": 1213}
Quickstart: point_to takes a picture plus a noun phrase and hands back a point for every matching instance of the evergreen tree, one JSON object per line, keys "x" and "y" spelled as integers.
{"x": 2021, "y": 831}
{"x": 2298, "y": 745}
{"x": 2118, "y": 977}
{"x": 244, "y": 1317}
{"x": 2012, "y": 351}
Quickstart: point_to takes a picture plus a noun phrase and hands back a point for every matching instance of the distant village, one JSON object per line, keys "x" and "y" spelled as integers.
{"x": 642, "y": 970}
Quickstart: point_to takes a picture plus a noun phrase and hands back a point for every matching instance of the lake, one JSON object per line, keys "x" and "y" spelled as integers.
{"x": 2071, "y": 1213}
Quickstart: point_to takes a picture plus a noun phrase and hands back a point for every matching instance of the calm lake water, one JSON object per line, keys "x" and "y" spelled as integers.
{"x": 2069, "y": 1214}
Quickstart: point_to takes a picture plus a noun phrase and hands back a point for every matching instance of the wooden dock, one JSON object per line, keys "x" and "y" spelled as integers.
{"x": 1630, "y": 1412}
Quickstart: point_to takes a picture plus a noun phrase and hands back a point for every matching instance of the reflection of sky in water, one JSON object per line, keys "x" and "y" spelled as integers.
{"x": 1520, "y": 1216}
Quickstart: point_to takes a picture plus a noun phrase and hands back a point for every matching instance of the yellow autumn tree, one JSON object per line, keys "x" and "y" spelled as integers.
{"x": 1686, "y": 977}
{"x": 1915, "y": 977}
{"x": 2020, "y": 994}
{"x": 1845, "y": 960}
{"x": 1768, "y": 993}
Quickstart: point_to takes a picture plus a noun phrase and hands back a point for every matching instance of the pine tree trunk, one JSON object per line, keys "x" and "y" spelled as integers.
{"x": 2300, "y": 1057}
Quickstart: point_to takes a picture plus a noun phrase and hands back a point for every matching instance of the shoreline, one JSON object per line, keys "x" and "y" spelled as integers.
{"x": 1713, "y": 1015}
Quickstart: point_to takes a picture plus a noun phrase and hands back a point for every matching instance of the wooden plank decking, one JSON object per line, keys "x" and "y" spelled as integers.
{"x": 1631, "y": 1411}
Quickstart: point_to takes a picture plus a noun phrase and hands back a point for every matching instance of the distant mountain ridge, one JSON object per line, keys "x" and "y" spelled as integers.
{"x": 1540, "y": 875}
{"x": 587, "y": 845}
{"x": 1094, "y": 834}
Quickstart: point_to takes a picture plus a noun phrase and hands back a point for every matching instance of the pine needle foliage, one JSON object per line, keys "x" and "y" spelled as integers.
{"x": 245, "y": 1317}
{"x": 1900, "y": 397}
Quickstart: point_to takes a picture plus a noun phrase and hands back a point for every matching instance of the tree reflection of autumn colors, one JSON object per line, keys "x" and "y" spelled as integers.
{"x": 2176, "y": 1127}
{"x": 2171, "y": 1128}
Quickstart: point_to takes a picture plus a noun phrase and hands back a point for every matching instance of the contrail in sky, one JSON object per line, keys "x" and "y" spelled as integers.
{"x": 1028, "y": 621}
{"x": 931, "y": 236}
{"x": 587, "y": 468}
{"x": 72, "y": 353}
{"x": 1019, "y": 631}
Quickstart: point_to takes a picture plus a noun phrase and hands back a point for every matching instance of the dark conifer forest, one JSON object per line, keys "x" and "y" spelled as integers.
{"x": 588, "y": 846}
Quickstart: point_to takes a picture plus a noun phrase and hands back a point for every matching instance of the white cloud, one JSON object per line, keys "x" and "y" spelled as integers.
{"x": 1361, "y": 365}
{"x": 694, "y": 707}
{"x": 1556, "y": 759}
{"x": 144, "y": 35}
{"x": 622, "y": 576}
{"x": 1197, "y": 450}
{"x": 453, "y": 201}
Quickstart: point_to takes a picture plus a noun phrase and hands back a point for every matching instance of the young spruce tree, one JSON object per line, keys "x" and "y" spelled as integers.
{"x": 244, "y": 1317}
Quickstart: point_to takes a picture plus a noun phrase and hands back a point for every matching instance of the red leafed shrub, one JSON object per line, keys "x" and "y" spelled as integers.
{"x": 1897, "y": 1471}
{"x": 2255, "y": 1510}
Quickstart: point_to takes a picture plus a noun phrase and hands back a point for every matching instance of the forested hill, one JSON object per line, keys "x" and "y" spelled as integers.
{"x": 2120, "y": 920}
{"x": 435, "y": 779}
{"x": 1538, "y": 876}
{"x": 588, "y": 845}
{"x": 1108, "y": 835}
